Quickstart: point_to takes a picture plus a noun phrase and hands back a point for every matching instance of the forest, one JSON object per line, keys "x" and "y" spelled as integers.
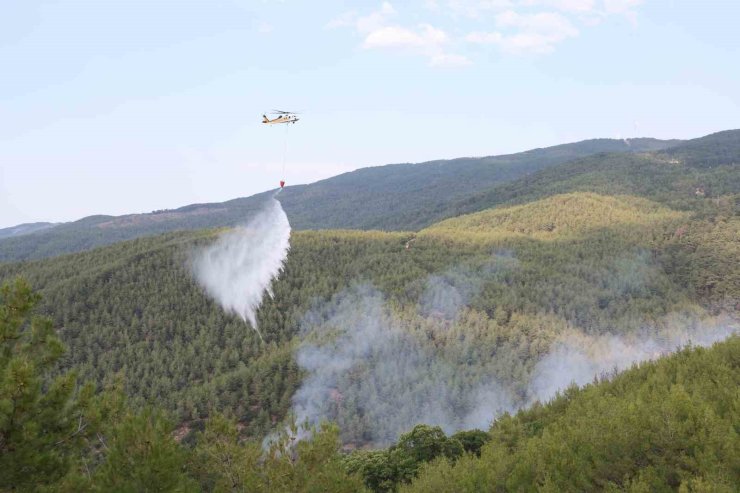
{"x": 431, "y": 359}
{"x": 660, "y": 426}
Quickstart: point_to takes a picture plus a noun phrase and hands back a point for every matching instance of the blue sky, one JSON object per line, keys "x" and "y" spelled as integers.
{"x": 118, "y": 106}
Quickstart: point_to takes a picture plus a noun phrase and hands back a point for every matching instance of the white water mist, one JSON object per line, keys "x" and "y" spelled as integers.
{"x": 240, "y": 266}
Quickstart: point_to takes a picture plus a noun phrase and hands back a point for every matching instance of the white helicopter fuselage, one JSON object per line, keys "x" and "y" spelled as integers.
{"x": 280, "y": 119}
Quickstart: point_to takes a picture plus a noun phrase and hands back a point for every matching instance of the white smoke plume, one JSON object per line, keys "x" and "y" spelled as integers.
{"x": 373, "y": 370}
{"x": 240, "y": 266}
{"x": 378, "y": 370}
{"x": 446, "y": 294}
{"x": 579, "y": 358}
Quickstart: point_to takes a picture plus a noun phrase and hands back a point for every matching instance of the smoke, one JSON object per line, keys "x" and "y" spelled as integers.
{"x": 239, "y": 267}
{"x": 446, "y": 294}
{"x": 373, "y": 371}
{"x": 576, "y": 358}
{"x": 378, "y": 369}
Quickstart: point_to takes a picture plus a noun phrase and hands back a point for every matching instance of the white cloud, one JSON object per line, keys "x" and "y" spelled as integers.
{"x": 527, "y": 33}
{"x": 426, "y": 38}
{"x": 484, "y": 38}
{"x": 547, "y": 23}
{"x": 363, "y": 24}
{"x": 379, "y": 32}
{"x": 518, "y": 26}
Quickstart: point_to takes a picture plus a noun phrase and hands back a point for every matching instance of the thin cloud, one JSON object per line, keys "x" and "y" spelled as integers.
{"x": 427, "y": 37}
{"x": 514, "y": 26}
{"x": 527, "y": 33}
{"x": 380, "y": 32}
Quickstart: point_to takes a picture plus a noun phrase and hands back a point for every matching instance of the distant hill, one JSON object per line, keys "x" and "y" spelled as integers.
{"x": 24, "y": 229}
{"x": 559, "y": 217}
{"x": 392, "y": 197}
{"x": 694, "y": 175}
{"x": 411, "y": 196}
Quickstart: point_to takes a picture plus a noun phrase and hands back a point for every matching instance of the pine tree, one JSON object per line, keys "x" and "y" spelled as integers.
{"x": 41, "y": 426}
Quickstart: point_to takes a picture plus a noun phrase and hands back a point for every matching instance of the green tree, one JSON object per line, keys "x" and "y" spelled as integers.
{"x": 42, "y": 422}
{"x": 472, "y": 440}
{"x": 221, "y": 462}
{"x": 141, "y": 455}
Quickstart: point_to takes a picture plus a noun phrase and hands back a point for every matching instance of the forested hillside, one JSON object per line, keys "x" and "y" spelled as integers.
{"x": 663, "y": 426}
{"x": 410, "y": 196}
{"x": 578, "y": 270}
{"x": 509, "y": 282}
{"x": 692, "y": 175}
{"x": 398, "y": 197}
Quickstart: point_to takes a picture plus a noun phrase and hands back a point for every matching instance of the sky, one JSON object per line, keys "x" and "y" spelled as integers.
{"x": 123, "y": 106}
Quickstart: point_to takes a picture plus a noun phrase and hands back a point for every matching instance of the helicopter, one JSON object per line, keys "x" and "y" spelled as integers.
{"x": 282, "y": 117}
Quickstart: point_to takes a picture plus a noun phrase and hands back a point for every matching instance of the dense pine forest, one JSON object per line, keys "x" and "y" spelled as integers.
{"x": 666, "y": 425}
{"x": 426, "y": 355}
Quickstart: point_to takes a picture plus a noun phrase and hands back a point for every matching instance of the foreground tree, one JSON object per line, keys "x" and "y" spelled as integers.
{"x": 142, "y": 455}
{"x": 384, "y": 470}
{"x": 43, "y": 422}
{"x": 222, "y": 462}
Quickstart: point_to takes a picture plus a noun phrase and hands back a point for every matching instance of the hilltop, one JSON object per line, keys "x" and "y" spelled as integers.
{"x": 392, "y": 197}
{"x": 682, "y": 174}
{"x": 24, "y": 229}
{"x": 559, "y": 217}
{"x": 690, "y": 176}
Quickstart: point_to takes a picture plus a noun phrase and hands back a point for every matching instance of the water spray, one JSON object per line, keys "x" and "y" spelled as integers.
{"x": 238, "y": 269}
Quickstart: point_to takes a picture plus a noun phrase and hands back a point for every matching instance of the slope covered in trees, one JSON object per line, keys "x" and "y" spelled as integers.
{"x": 580, "y": 268}
{"x": 495, "y": 283}
{"x": 408, "y": 197}
{"x": 561, "y": 217}
{"x": 663, "y": 426}
{"x": 694, "y": 175}
{"x": 57, "y": 436}
{"x": 399, "y": 197}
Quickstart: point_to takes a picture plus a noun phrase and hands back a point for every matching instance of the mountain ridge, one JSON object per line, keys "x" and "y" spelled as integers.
{"x": 25, "y": 229}
{"x": 398, "y": 194}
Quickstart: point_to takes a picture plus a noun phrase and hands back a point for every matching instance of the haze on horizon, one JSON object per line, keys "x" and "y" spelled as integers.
{"x": 132, "y": 106}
